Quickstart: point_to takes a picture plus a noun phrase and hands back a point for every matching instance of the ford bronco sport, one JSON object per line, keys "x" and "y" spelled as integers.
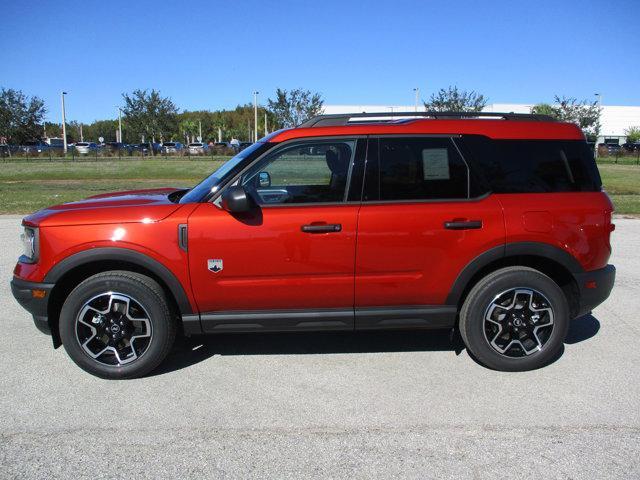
{"x": 494, "y": 224}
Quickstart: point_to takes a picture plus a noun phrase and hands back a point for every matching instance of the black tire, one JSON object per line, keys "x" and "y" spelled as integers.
{"x": 142, "y": 292}
{"x": 477, "y": 332}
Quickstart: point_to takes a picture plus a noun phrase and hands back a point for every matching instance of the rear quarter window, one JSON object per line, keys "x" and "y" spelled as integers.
{"x": 533, "y": 166}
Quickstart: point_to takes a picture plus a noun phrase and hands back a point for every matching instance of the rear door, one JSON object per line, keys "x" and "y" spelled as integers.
{"x": 421, "y": 222}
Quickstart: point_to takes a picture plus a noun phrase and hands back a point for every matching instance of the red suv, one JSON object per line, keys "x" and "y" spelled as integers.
{"x": 494, "y": 224}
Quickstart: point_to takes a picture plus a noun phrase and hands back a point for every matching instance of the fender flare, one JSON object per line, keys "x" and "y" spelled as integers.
{"x": 536, "y": 249}
{"x": 123, "y": 255}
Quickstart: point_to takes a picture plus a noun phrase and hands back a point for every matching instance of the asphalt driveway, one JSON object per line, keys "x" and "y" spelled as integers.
{"x": 407, "y": 405}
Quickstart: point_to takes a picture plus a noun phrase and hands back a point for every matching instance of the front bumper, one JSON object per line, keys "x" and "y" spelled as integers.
{"x": 595, "y": 287}
{"x": 36, "y": 305}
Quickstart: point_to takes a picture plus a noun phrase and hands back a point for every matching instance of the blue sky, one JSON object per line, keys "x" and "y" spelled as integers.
{"x": 210, "y": 54}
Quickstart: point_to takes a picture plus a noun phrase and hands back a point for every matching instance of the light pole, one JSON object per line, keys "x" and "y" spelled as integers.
{"x": 119, "y": 124}
{"x": 417, "y": 93}
{"x": 64, "y": 124}
{"x": 255, "y": 115}
{"x": 599, "y": 100}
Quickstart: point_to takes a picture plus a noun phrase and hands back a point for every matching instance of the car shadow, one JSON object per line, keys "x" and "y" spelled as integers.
{"x": 582, "y": 328}
{"x": 189, "y": 351}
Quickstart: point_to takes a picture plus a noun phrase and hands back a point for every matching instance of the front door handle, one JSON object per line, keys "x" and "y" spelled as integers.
{"x": 321, "y": 228}
{"x": 463, "y": 225}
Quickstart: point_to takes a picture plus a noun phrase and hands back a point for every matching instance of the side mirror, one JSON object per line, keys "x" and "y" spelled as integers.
{"x": 236, "y": 200}
{"x": 264, "y": 180}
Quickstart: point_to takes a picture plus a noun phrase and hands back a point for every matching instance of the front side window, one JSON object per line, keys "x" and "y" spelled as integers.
{"x": 310, "y": 172}
{"x": 420, "y": 168}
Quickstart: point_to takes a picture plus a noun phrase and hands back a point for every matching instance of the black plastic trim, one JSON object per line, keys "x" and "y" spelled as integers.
{"x": 510, "y": 250}
{"x": 333, "y": 319}
{"x": 546, "y": 250}
{"x": 183, "y": 237}
{"x": 405, "y": 317}
{"x": 126, "y": 255}
{"x": 590, "y": 298}
{"x": 341, "y": 119}
{"x": 191, "y": 324}
{"x": 277, "y": 320}
{"x": 21, "y": 290}
{"x": 37, "y": 307}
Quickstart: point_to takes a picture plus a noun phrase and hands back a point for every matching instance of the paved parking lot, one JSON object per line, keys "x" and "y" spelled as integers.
{"x": 409, "y": 405}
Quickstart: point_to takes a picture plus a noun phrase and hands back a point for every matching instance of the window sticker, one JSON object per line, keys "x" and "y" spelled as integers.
{"x": 435, "y": 164}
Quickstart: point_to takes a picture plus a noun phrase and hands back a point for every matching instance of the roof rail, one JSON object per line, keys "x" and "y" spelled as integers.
{"x": 339, "y": 119}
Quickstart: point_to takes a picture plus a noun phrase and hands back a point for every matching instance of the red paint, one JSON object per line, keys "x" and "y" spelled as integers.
{"x": 269, "y": 263}
{"x": 385, "y": 254}
{"x": 406, "y": 256}
{"x": 504, "y": 129}
{"x": 579, "y": 223}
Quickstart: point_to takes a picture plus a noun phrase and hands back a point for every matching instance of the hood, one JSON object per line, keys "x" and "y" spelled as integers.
{"x": 131, "y": 206}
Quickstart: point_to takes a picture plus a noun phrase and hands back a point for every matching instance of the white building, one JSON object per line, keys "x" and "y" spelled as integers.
{"x": 614, "y": 119}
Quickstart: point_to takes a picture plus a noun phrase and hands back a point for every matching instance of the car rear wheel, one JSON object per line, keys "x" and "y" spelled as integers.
{"x": 515, "y": 319}
{"x": 117, "y": 325}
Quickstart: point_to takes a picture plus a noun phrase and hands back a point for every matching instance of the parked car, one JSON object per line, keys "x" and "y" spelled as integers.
{"x": 83, "y": 148}
{"x": 608, "y": 148}
{"x": 499, "y": 229}
{"x": 116, "y": 147}
{"x": 34, "y": 146}
{"x": 198, "y": 148}
{"x": 146, "y": 148}
{"x": 172, "y": 147}
{"x": 244, "y": 145}
{"x": 56, "y": 143}
{"x": 631, "y": 147}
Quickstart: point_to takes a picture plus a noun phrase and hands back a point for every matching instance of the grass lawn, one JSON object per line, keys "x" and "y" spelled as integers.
{"x": 26, "y": 186}
{"x": 622, "y": 183}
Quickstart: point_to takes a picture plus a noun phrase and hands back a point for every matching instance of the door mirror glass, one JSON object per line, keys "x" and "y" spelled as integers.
{"x": 236, "y": 200}
{"x": 264, "y": 180}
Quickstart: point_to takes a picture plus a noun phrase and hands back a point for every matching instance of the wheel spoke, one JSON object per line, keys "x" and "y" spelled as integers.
{"x": 518, "y": 322}
{"x": 113, "y": 328}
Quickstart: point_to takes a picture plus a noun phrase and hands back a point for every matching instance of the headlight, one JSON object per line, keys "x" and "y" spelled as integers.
{"x": 29, "y": 245}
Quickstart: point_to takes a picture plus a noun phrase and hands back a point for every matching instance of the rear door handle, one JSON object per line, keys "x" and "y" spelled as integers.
{"x": 463, "y": 225}
{"x": 321, "y": 228}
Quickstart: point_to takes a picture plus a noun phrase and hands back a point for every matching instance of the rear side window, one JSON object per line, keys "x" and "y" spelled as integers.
{"x": 533, "y": 166}
{"x": 415, "y": 168}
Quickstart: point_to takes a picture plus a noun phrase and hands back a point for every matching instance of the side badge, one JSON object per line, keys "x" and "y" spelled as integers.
{"x": 214, "y": 265}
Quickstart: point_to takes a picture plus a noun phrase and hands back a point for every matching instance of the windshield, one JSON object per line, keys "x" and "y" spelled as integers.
{"x": 210, "y": 183}
{"x": 169, "y": 144}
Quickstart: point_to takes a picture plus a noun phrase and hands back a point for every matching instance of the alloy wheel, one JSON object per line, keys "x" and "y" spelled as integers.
{"x": 114, "y": 329}
{"x": 518, "y": 322}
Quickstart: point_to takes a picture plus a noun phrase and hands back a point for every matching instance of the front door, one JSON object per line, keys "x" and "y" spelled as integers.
{"x": 288, "y": 264}
{"x": 419, "y": 226}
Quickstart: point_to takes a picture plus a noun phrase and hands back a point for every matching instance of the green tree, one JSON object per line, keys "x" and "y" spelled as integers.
{"x": 453, "y": 100}
{"x": 545, "y": 109}
{"x": 188, "y": 129}
{"x": 150, "y": 115}
{"x": 101, "y": 128}
{"x": 20, "y": 116}
{"x": 585, "y": 114}
{"x": 291, "y": 108}
{"x": 53, "y": 130}
{"x": 633, "y": 134}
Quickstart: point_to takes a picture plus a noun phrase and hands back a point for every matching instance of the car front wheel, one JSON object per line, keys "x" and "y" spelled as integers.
{"x": 117, "y": 325}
